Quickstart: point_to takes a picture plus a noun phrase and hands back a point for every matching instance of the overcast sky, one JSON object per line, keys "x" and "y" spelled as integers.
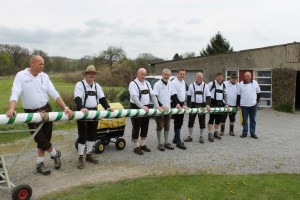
{"x": 75, "y": 28}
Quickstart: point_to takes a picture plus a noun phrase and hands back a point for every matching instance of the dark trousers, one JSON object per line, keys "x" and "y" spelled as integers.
{"x": 231, "y": 116}
{"x": 140, "y": 125}
{"x": 87, "y": 130}
{"x": 201, "y": 117}
{"x": 215, "y": 118}
{"x": 43, "y": 137}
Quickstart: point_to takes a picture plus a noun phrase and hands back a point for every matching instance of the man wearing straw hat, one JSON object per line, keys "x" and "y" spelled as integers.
{"x": 87, "y": 95}
{"x": 34, "y": 86}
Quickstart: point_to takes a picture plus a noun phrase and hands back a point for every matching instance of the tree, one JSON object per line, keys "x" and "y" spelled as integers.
{"x": 145, "y": 59}
{"x": 218, "y": 44}
{"x": 177, "y": 57}
{"x": 188, "y": 55}
{"x": 111, "y": 55}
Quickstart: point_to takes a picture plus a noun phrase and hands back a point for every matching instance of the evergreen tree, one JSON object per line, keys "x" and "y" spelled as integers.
{"x": 218, "y": 44}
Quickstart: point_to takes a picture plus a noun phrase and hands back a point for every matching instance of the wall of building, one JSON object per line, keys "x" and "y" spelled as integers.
{"x": 287, "y": 55}
{"x": 260, "y": 59}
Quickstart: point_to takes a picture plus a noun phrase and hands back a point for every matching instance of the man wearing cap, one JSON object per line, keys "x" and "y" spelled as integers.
{"x": 33, "y": 86}
{"x": 231, "y": 88}
{"x": 88, "y": 94}
{"x": 248, "y": 98}
{"x": 141, "y": 97}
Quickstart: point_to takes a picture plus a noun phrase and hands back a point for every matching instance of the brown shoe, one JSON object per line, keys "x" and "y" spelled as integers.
{"x": 169, "y": 146}
{"x": 201, "y": 140}
{"x": 80, "y": 164}
{"x": 188, "y": 139}
{"x": 231, "y": 133}
{"x": 161, "y": 147}
{"x": 217, "y": 136}
{"x": 222, "y": 134}
{"x": 91, "y": 159}
{"x": 145, "y": 148}
{"x": 210, "y": 137}
{"x": 138, "y": 151}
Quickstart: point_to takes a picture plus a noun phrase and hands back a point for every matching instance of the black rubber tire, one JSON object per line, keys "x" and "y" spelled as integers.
{"x": 21, "y": 192}
{"x": 99, "y": 147}
{"x": 120, "y": 144}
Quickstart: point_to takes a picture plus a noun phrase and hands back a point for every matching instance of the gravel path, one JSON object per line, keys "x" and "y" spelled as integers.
{"x": 277, "y": 150}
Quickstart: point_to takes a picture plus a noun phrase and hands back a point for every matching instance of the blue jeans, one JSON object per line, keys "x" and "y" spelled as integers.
{"x": 251, "y": 112}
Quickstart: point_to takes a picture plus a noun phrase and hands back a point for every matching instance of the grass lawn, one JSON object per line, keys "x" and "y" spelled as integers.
{"x": 190, "y": 187}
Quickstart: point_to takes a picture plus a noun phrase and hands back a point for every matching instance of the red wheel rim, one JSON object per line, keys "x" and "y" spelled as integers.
{"x": 23, "y": 194}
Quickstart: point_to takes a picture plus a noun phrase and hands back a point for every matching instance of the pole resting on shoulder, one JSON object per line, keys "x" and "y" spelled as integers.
{"x": 93, "y": 114}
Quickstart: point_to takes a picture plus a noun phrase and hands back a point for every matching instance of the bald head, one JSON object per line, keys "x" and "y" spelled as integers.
{"x": 36, "y": 58}
{"x": 247, "y": 77}
{"x": 141, "y": 74}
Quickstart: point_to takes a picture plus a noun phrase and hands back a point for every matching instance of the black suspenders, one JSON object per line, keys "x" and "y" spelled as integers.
{"x": 89, "y": 93}
{"x": 199, "y": 92}
{"x": 143, "y": 91}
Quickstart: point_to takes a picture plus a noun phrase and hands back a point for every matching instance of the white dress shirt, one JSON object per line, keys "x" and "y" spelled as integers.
{"x": 231, "y": 93}
{"x": 33, "y": 90}
{"x": 200, "y": 98}
{"x": 163, "y": 92}
{"x": 248, "y": 93}
{"x": 179, "y": 89}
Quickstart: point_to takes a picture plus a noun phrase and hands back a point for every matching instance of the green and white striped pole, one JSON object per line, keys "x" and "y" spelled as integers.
{"x": 61, "y": 116}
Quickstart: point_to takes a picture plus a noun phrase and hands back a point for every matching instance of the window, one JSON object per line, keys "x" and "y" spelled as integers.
{"x": 264, "y": 79}
{"x": 229, "y": 72}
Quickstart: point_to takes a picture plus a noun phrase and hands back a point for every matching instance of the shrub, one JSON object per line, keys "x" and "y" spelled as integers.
{"x": 283, "y": 89}
{"x": 68, "y": 97}
{"x": 285, "y": 108}
{"x": 111, "y": 93}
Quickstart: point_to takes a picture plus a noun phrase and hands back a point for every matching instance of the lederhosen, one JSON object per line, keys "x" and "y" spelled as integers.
{"x": 216, "y": 103}
{"x": 43, "y": 137}
{"x": 140, "y": 123}
{"x": 201, "y": 117}
{"x": 87, "y": 129}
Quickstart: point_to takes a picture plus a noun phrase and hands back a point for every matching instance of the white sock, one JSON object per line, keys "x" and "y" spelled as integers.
{"x": 143, "y": 141}
{"x": 191, "y": 132}
{"x": 89, "y": 147}
{"x": 201, "y": 131}
{"x": 81, "y": 149}
{"x": 53, "y": 152}
{"x": 39, "y": 160}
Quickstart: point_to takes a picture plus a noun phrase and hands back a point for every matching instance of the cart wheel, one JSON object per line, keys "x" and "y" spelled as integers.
{"x": 106, "y": 141}
{"x": 99, "y": 147}
{"x": 76, "y": 144}
{"x": 21, "y": 192}
{"x": 120, "y": 144}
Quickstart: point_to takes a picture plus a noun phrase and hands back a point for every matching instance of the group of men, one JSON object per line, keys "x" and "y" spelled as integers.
{"x": 168, "y": 94}
{"x": 33, "y": 86}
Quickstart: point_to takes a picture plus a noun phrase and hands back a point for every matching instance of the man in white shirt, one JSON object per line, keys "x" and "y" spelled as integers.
{"x": 231, "y": 88}
{"x": 141, "y": 96}
{"x": 218, "y": 99}
{"x": 34, "y": 86}
{"x": 87, "y": 95}
{"x": 163, "y": 91}
{"x": 198, "y": 96}
{"x": 247, "y": 100}
{"x": 179, "y": 88}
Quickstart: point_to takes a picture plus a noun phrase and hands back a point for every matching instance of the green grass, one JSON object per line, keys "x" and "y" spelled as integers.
{"x": 201, "y": 186}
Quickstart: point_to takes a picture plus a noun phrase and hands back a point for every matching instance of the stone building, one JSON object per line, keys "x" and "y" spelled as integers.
{"x": 261, "y": 62}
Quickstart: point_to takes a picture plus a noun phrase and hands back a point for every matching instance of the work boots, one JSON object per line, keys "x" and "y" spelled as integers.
{"x": 201, "y": 140}
{"x": 56, "y": 159}
{"x": 217, "y": 136}
{"x": 42, "y": 169}
{"x": 210, "y": 137}
{"x": 89, "y": 158}
{"x": 80, "y": 164}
